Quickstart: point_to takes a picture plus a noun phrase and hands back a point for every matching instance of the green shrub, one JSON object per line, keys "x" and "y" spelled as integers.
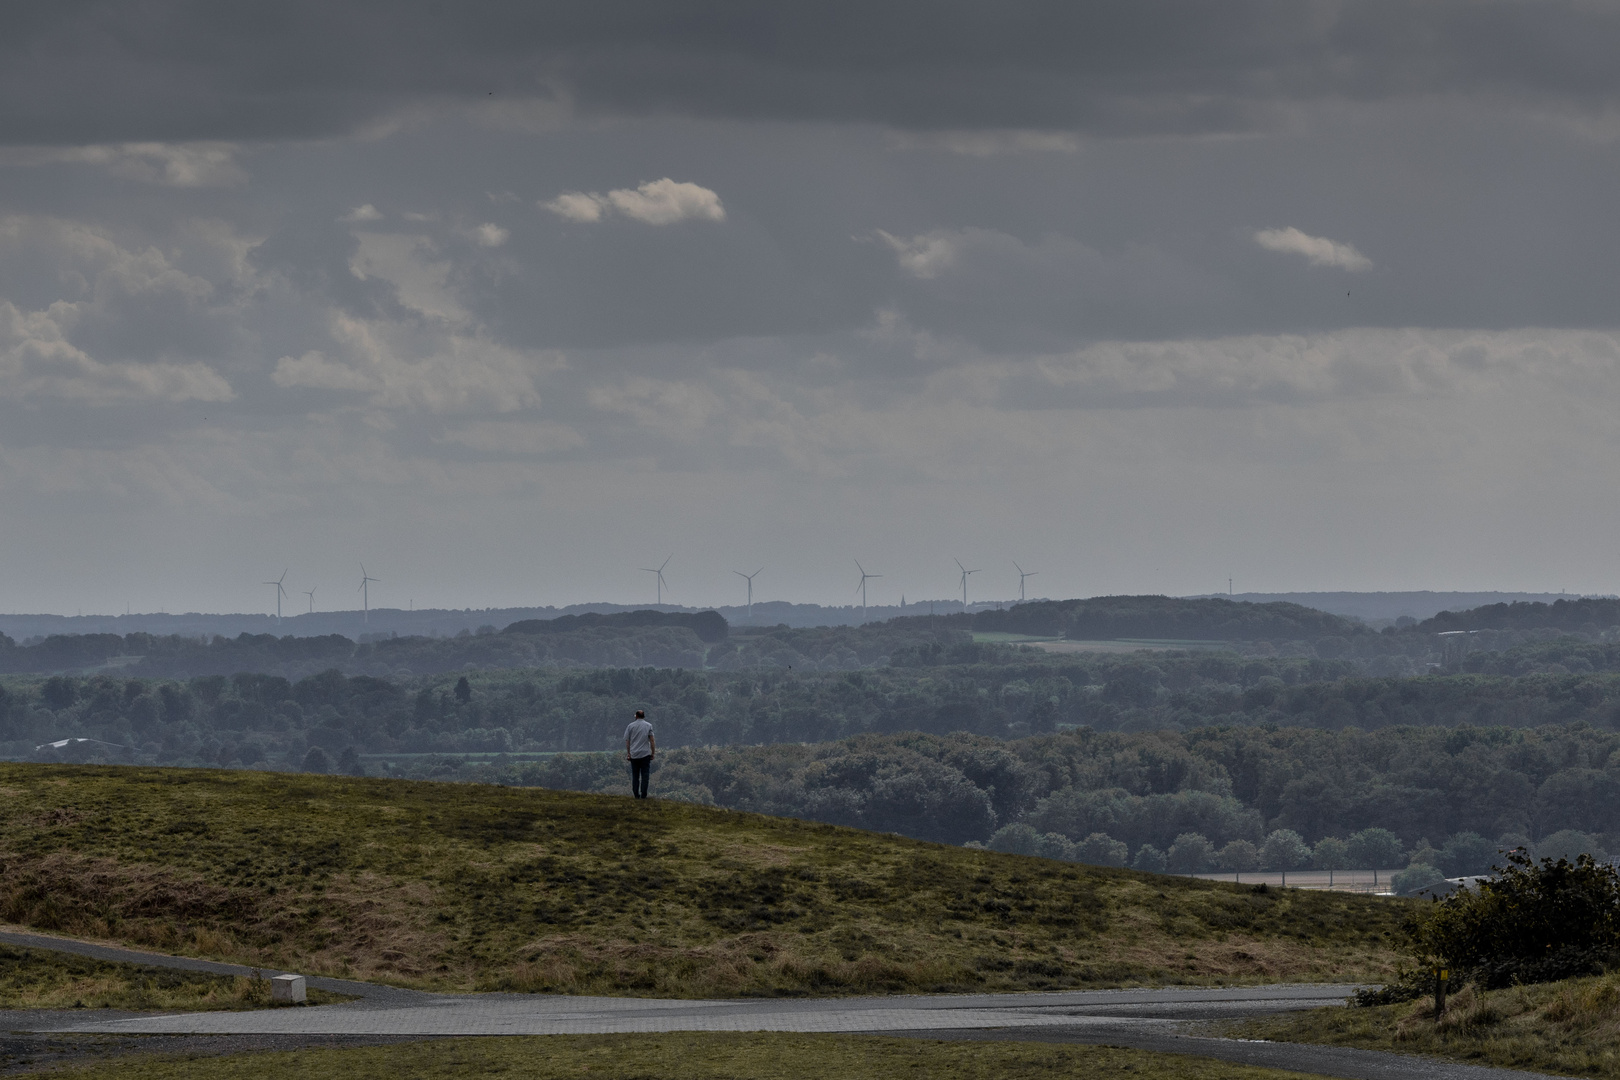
{"x": 1530, "y": 923}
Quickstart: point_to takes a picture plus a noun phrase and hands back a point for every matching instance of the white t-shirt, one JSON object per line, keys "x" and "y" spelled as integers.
{"x": 639, "y": 735}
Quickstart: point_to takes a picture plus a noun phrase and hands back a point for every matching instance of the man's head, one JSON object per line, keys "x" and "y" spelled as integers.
{"x": 641, "y": 714}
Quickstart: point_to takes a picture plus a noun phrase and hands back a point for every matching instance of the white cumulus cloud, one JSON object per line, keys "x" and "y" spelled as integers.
{"x": 491, "y": 236}
{"x": 657, "y": 202}
{"x": 37, "y": 360}
{"x": 925, "y": 256}
{"x": 187, "y": 165}
{"x": 361, "y": 214}
{"x": 1318, "y": 249}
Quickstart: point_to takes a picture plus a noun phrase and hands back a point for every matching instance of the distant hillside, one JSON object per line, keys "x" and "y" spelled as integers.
{"x": 442, "y": 622}
{"x": 709, "y": 626}
{"x": 475, "y": 887}
{"x": 1106, "y": 618}
{"x": 626, "y": 640}
{"x": 1386, "y": 607}
{"x": 1589, "y": 616}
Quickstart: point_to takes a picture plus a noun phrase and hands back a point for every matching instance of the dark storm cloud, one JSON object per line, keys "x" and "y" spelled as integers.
{"x": 98, "y": 72}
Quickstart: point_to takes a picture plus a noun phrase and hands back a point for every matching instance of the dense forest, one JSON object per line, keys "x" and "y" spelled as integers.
{"x": 1104, "y": 757}
{"x": 1257, "y": 753}
{"x": 983, "y": 689}
{"x": 1448, "y": 798}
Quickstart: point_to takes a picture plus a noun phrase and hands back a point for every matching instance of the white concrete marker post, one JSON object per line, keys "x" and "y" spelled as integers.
{"x": 288, "y": 988}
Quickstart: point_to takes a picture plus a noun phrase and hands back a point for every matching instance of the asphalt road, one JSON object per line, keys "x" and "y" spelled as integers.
{"x": 1146, "y": 1019}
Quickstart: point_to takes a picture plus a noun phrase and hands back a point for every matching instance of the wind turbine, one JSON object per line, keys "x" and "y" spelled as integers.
{"x": 750, "y": 579}
{"x": 311, "y": 594}
{"x": 660, "y": 573}
{"x": 365, "y": 593}
{"x": 965, "y": 573}
{"x": 1022, "y": 574}
{"x": 280, "y": 592}
{"x": 862, "y": 586}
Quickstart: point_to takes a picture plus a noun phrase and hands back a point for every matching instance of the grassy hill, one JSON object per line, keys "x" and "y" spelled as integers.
{"x": 1567, "y": 1027}
{"x": 454, "y": 886}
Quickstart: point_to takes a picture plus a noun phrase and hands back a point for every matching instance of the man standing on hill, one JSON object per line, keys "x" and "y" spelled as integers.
{"x": 639, "y": 748}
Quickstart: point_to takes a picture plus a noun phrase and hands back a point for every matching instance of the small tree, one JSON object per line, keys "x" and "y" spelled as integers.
{"x": 1054, "y": 846}
{"x": 463, "y": 690}
{"x": 1100, "y": 849}
{"x": 1192, "y": 853}
{"x": 1019, "y": 838}
{"x": 1330, "y": 854}
{"x": 349, "y": 762}
{"x": 1467, "y": 854}
{"x": 1149, "y": 858}
{"x": 1284, "y": 850}
{"x": 1240, "y": 857}
{"x": 1373, "y": 848}
{"x": 1414, "y": 879}
{"x": 1568, "y": 844}
{"x": 316, "y": 761}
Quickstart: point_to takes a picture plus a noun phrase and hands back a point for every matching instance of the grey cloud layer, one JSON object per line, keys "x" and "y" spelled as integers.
{"x": 284, "y": 281}
{"x": 106, "y": 72}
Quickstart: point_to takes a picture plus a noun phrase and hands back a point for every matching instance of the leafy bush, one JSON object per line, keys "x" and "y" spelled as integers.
{"x": 1530, "y": 923}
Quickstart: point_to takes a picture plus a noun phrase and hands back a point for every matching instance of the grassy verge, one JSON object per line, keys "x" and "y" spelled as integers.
{"x": 456, "y": 886}
{"x": 1570, "y": 1027}
{"x": 35, "y": 979}
{"x": 692, "y": 1056}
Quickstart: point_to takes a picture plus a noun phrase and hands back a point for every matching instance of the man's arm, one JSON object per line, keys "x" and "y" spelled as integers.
{"x": 652, "y": 745}
{"x": 627, "y": 748}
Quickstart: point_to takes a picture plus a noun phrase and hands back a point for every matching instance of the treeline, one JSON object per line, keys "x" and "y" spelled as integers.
{"x": 925, "y": 750}
{"x": 703, "y": 641}
{"x": 1587, "y": 615}
{"x": 1108, "y": 618}
{"x": 963, "y": 687}
{"x": 1214, "y": 798}
{"x": 587, "y": 642}
{"x": 628, "y": 639}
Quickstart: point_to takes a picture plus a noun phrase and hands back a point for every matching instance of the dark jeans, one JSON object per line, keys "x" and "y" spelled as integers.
{"x": 640, "y": 772}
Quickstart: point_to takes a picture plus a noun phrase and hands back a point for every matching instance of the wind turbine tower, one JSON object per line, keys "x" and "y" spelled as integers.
{"x": 280, "y": 592}
{"x": 750, "y": 579}
{"x": 311, "y": 594}
{"x": 965, "y": 573}
{"x": 365, "y": 593}
{"x": 1022, "y": 574}
{"x": 862, "y": 586}
{"x": 661, "y": 582}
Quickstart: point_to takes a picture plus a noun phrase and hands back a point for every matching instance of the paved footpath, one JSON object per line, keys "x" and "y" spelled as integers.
{"x": 1150, "y": 1019}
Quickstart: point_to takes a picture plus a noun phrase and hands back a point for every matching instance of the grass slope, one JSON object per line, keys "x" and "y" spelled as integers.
{"x": 698, "y": 1056}
{"x": 36, "y": 979}
{"x": 454, "y": 886}
{"x": 1570, "y": 1027}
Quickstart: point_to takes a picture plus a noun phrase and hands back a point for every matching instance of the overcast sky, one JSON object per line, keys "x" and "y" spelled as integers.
{"x": 510, "y": 299}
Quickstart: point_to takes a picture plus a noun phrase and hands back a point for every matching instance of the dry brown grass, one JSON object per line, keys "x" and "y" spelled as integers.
{"x": 471, "y": 887}
{"x": 37, "y": 979}
{"x": 1570, "y": 1027}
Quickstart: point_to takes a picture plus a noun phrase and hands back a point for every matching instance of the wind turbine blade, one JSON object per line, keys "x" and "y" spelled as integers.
{"x": 664, "y": 564}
